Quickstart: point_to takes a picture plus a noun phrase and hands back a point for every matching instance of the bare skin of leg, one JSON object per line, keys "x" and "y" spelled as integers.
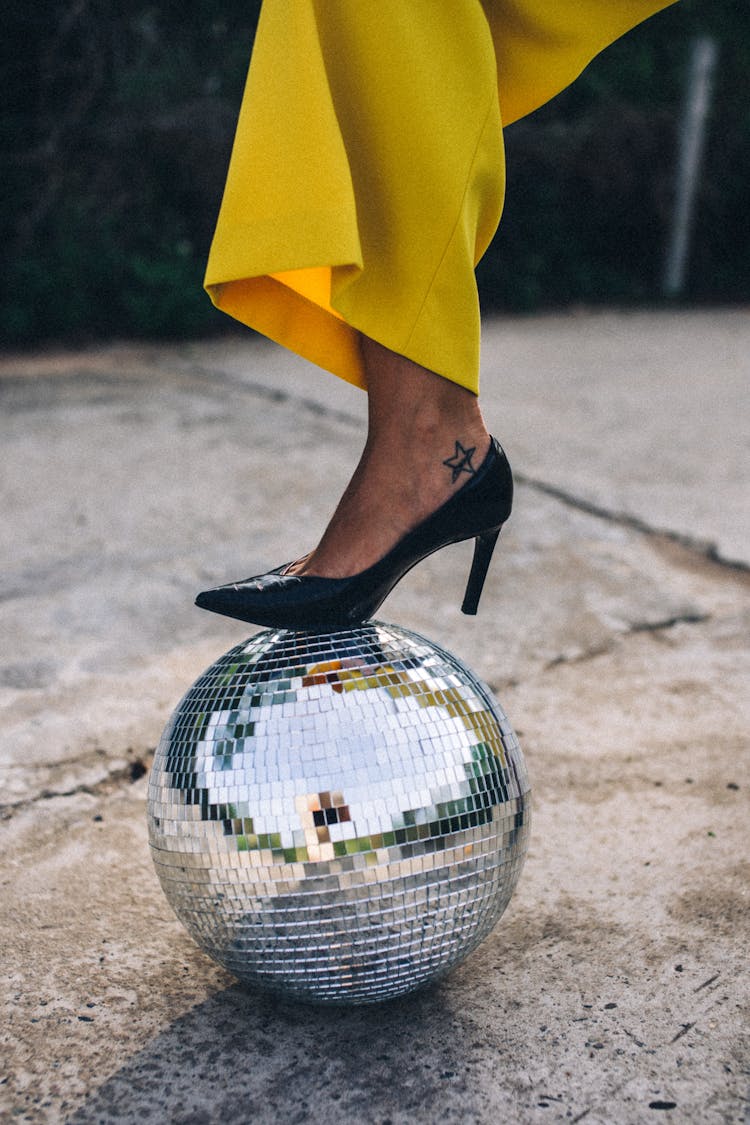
{"x": 415, "y": 419}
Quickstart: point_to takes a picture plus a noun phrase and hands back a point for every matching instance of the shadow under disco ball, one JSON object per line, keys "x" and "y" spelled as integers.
{"x": 339, "y": 817}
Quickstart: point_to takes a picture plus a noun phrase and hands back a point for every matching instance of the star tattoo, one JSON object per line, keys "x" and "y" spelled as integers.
{"x": 460, "y": 462}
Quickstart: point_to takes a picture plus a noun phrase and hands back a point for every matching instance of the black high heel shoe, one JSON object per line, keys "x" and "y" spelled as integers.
{"x": 306, "y": 602}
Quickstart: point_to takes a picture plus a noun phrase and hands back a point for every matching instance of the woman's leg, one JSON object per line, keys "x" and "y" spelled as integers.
{"x": 364, "y": 187}
{"x": 426, "y": 437}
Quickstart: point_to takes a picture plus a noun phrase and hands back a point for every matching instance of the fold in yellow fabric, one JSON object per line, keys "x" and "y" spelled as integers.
{"x": 367, "y": 175}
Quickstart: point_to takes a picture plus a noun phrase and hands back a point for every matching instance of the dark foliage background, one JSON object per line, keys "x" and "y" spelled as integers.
{"x": 116, "y": 126}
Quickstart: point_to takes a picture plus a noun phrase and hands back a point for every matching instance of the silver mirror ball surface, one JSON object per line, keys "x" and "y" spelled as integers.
{"x": 338, "y": 817}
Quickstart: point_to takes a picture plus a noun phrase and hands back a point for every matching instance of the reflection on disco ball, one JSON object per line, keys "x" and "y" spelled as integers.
{"x": 339, "y": 817}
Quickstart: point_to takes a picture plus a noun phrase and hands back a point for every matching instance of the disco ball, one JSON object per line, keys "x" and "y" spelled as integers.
{"x": 338, "y": 817}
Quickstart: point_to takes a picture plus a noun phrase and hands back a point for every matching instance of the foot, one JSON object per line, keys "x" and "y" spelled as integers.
{"x": 392, "y": 490}
{"x": 426, "y": 439}
{"x": 323, "y": 604}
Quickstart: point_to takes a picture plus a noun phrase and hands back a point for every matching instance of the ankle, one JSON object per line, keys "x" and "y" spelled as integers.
{"x": 403, "y": 393}
{"x": 426, "y": 423}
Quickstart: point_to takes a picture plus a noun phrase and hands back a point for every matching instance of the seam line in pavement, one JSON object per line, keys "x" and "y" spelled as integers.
{"x": 632, "y": 630}
{"x": 703, "y": 547}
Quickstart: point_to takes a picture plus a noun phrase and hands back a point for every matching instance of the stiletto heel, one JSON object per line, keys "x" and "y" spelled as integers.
{"x": 307, "y": 602}
{"x": 484, "y": 545}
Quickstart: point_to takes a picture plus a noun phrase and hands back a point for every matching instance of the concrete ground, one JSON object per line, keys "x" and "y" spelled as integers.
{"x": 614, "y": 629}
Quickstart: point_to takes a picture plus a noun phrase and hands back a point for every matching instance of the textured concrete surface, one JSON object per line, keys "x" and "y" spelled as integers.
{"x": 614, "y": 629}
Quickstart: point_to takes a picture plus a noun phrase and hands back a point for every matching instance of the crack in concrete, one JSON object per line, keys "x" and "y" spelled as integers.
{"x": 112, "y": 780}
{"x": 268, "y": 394}
{"x": 91, "y": 758}
{"x": 581, "y": 657}
{"x": 693, "y": 618}
{"x": 669, "y": 622}
{"x": 707, "y": 982}
{"x": 686, "y": 1027}
{"x": 704, "y": 547}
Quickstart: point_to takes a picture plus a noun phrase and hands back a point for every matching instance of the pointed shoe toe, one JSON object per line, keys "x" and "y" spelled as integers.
{"x": 308, "y": 603}
{"x": 281, "y": 601}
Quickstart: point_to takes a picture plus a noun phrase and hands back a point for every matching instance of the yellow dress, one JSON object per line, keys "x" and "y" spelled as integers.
{"x": 367, "y": 175}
